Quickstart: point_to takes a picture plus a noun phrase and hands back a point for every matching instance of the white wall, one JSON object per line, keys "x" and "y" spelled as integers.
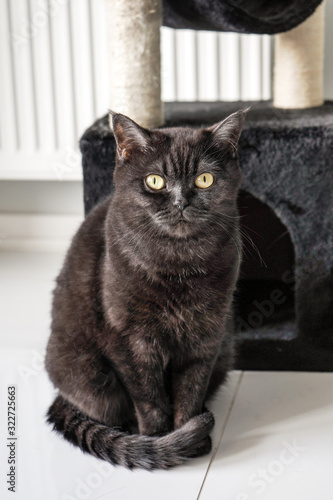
{"x": 35, "y": 197}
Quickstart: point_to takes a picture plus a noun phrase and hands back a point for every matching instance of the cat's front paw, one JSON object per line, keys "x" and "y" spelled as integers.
{"x": 157, "y": 426}
{"x": 181, "y": 418}
{"x": 202, "y": 448}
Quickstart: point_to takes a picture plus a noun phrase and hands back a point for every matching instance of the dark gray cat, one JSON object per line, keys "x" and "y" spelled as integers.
{"x": 141, "y": 324}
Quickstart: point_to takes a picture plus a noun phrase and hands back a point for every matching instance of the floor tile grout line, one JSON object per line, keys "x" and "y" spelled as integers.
{"x": 222, "y": 433}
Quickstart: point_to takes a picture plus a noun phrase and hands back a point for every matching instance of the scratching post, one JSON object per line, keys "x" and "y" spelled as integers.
{"x": 299, "y": 63}
{"x": 134, "y": 59}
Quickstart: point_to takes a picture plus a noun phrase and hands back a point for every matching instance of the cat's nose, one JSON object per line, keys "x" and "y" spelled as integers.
{"x": 181, "y": 205}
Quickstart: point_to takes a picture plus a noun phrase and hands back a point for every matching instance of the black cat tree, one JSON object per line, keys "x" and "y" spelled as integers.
{"x": 284, "y": 309}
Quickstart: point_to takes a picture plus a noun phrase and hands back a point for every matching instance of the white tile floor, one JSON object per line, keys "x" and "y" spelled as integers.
{"x": 273, "y": 438}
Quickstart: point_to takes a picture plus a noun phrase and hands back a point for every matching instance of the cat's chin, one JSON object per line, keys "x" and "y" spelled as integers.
{"x": 182, "y": 229}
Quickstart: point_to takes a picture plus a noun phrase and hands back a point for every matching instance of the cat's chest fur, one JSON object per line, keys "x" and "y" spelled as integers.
{"x": 180, "y": 301}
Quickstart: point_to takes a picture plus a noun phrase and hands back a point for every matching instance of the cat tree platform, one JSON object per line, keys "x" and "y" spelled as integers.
{"x": 284, "y": 311}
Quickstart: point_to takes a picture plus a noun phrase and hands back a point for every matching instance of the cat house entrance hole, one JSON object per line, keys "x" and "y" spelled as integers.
{"x": 264, "y": 301}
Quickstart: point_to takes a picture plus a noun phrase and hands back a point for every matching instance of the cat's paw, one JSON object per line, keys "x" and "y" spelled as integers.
{"x": 195, "y": 434}
{"x": 189, "y": 441}
{"x": 203, "y": 422}
{"x": 156, "y": 427}
{"x": 202, "y": 448}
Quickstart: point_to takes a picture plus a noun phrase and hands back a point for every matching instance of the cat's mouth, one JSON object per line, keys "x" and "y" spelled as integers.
{"x": 181, "y": 220}
{"x": 181, "y": 226}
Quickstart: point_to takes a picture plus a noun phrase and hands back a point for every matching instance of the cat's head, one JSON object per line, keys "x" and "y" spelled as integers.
{"x": 182, "y": 180}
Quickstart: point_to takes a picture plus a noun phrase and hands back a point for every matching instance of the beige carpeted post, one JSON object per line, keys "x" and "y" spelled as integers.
{"x": 134, "y": 59}
{"x": 299, "y": 64}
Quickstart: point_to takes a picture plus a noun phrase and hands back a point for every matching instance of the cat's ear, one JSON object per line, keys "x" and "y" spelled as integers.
{"x": 129, "y": 135}
{"x": 227, "y": 132}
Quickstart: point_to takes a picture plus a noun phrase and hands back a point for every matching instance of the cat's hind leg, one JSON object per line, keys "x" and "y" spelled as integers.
{"x": 95, "y": 389}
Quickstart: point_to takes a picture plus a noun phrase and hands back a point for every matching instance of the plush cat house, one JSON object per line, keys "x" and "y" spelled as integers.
{"x": 284, "y": 305}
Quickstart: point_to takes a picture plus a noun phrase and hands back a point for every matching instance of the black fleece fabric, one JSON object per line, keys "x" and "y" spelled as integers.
{"x": 240, "y": 16}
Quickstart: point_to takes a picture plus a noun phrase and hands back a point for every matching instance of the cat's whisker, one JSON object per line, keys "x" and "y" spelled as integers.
{"x": 244, "y": 249}
{"x": 239, "y": 251}
{"x": 247, "y": 238}
{"x": 237, "y": 217}
{"x": 254, "y": 246}
{"x": 144, "y": 234}
{"x": 118, "y": 240}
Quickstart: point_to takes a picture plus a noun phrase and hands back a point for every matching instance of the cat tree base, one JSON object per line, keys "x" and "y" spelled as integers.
{"x": 287, "y": 163}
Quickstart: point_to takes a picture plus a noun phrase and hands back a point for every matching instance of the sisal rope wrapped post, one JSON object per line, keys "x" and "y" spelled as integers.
{"x": 135, "y": 60}
{"x": 299, "y": 64}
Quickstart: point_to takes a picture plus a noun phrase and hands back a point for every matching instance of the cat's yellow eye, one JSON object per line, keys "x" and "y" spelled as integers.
{"x": 205, "y": 180}
{"x": 155, "y": 181}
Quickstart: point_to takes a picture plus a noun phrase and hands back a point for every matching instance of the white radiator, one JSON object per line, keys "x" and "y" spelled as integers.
{"x": 54, "y": 79}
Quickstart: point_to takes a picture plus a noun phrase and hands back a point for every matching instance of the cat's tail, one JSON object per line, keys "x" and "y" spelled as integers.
{"x": 132, "y": 450}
